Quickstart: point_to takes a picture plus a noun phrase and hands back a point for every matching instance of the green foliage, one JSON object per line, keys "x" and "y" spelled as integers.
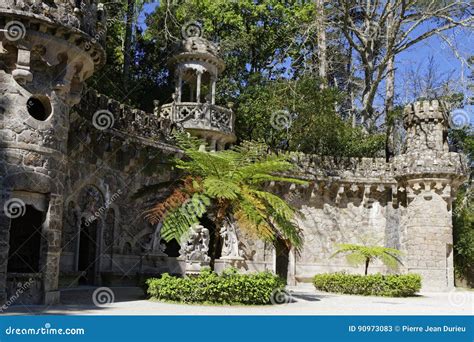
{"x": 463, "y": 210}
{"x": 230, "y": 287}
{"x": 393, "y": 285}
{"x": 308, "y": 119}
{"x": 360, "y": 255}
{"x": 231, "y": 185}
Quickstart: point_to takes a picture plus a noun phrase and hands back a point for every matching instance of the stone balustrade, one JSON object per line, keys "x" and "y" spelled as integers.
{"x": 122, "y": 118}
{"x": 199, "y": 116}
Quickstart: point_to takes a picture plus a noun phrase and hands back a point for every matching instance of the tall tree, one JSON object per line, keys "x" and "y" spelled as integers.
{"x": 127, "y": 43}
{"x": 387, "y": 29}
{"x": 322, "y": 42}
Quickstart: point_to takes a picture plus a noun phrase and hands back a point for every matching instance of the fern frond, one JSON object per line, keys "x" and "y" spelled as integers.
{"x": 177, "y": 222}
{"x": 221, "y": 188}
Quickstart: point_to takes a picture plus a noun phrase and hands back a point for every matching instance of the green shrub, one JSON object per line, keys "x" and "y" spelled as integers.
{"x": 393, "y": 285}
{"x": 230, "y": 287}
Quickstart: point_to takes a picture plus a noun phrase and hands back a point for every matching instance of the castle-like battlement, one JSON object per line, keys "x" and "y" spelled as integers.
{"x": 86, "y": 16}
{"x": 119, "y": 116}
{"x": 433, "y": 110}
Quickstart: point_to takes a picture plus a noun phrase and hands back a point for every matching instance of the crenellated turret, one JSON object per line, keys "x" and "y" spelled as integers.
{"x": 47, "y": 51}
{"x": 428, "y": 176}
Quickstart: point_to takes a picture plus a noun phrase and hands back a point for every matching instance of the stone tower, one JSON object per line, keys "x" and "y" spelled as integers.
{"x": 47, "y": 51}
{"x": 428, "y": 175}
{"x": 196, "y": 66}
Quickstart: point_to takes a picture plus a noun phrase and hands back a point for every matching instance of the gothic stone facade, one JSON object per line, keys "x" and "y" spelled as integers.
{"x": 71, "y": 162}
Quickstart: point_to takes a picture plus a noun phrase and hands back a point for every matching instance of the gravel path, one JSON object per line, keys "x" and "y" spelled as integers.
{"x": 304, "y": 301}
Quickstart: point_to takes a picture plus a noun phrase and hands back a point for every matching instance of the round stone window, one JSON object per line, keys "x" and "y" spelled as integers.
{"x": 39, "y": 107}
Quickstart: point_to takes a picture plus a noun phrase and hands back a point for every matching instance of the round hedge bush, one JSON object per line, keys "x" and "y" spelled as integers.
{"x": 392, "y": 285}
{"x": 230, "y": 287}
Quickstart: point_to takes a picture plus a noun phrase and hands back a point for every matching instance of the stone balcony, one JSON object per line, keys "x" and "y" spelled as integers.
{"x": 208, "y": 121}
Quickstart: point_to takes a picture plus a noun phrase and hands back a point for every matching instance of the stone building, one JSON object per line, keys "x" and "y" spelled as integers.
{"x": 73, "y": 161}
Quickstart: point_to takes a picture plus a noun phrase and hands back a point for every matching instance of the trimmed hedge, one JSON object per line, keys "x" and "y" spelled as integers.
{"x": 230, "y": 287}
{"x": 392, "y": 285}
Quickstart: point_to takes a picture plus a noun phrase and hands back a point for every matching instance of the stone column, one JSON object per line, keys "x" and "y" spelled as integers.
{"x": 198, "y": 86}
{"x": 179, "y": 85}
{"x": 52, "y": 230}
{"x": 212, "y": 144}
{"x": 427, "y": 233}
{"x": 213, "y": 89}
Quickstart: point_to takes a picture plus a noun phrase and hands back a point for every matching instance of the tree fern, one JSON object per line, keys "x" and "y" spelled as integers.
{"x": 231, "y": 185}
{"x": 358, "y": 255}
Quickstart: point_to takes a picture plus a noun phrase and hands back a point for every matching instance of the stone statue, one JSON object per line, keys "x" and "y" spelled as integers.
{"x": 230, "y": 246}
{"x": 197, "y": 245}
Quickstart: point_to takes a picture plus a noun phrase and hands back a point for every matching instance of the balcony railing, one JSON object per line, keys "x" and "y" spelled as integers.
{"x": 204, "y": 116}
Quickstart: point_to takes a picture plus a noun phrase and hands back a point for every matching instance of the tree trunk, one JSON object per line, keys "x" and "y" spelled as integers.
{"x": 389, "y": 86}
{"x": 367, "y": 260}
{"x": 322, "y": 42}
{"x": 127, "y": 45}
{"x": 213, "y": 256}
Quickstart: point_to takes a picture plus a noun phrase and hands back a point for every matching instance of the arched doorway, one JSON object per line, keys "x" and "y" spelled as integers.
{"x": 282, "y": 259}
{"x": 87, "y": 256}
{"x": 25, "y": 241}
{"x": 92, "y": 209}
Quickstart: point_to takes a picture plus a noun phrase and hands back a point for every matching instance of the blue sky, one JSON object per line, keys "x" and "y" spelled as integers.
{"x": 418, "y": 56}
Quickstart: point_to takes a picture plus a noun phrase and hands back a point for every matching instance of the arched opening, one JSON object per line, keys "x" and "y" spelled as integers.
{"x": 215, "y": 242}
{"x": 282, "y": 258}
{"x": 25, "y": 242}
{"x": 39, "y": 107}
{"x": 172, "y": 248}
{"x": 87, "y": 252}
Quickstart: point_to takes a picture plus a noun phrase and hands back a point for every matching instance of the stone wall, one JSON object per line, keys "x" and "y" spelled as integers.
{"x": 47, "y": 51}
{"x": 81, "y": 169}
{"x": 106, "y": 168}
